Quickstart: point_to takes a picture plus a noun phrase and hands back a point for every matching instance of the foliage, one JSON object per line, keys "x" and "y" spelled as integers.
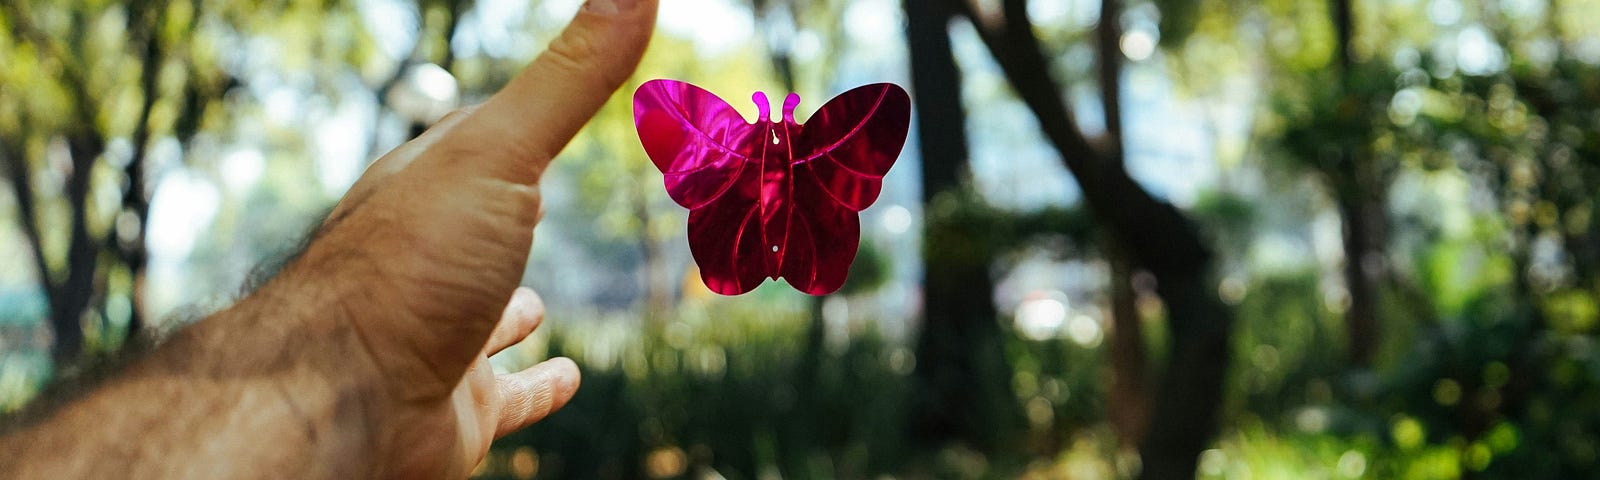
{"x": 722, "y": 388}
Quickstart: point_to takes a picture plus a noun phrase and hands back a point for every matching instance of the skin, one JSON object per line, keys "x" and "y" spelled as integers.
{"x": 367, "y": 356}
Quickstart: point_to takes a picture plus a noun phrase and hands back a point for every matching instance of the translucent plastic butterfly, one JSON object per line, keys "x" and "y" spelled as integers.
{"x": 772, "y": 199}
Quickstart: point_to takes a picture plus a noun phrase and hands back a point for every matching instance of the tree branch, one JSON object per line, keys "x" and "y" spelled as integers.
{"x": 1013, "y": 45}
{"x": 1159, "y": 235}
{"x": 1108, "y": 38}
{"x": 135, "y": 198}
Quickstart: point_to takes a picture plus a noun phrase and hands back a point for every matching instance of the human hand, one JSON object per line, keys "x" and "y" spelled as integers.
{"x": 422, "y": 256}
{"x": 367, "y": 356}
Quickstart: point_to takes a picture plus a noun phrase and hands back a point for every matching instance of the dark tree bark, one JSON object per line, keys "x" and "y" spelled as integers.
{"x": 936, "y": 82}
{"x": 1358, "y": 190}
{"x": 1363, "y": 236}
{"x": 1159, "y": 239}
{"x": 72, "y": 295}
{"x": 962, "y": 379}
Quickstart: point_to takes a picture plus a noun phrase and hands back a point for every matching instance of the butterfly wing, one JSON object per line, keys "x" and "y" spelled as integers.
{"x": 851, "y": 142}
{"x": 699, "y": 143}
{"x": 704, "y": 150}
{"x": 725, "y": 237}
{"x": 840, "y": 156}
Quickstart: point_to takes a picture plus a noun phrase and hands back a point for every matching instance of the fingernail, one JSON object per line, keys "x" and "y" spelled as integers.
{"x": 609, "y": 7}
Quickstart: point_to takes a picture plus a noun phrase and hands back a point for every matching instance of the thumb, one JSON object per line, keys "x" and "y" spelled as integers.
{"x": 533, "y": 117}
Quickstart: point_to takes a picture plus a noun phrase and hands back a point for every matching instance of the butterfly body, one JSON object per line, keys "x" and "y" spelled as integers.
{"x": 772, "y": 199}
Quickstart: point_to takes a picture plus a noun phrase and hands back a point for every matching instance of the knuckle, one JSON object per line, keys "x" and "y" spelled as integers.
{"x": 577, "y": 53}
{"x": 456, "y": 114}
{"x": 528, "y": 201}
{"x": 572, "y": 52}
{"x": 461, "y": 144}
{"x": 493, "y": 143}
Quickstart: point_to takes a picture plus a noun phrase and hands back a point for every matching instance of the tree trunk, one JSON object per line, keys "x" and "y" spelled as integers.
{"x": 1184, "y": 419}
{"x": 1358, "y": 189}
{"x": 1129, "y": 406}
{"x": 962, "y": 379}
{"x": 69, "y": 299}
{"x": 1363, "y": 220}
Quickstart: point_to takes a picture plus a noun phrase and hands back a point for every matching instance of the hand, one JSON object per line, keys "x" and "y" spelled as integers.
{"x": 423, "y": 254}
{"x": 367, "y": 356}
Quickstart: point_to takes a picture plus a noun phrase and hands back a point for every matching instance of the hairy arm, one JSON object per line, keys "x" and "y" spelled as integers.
{"x": 255, "y": 390}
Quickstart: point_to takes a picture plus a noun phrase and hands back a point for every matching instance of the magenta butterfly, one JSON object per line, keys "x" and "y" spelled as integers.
{"x": 772, "y": 199}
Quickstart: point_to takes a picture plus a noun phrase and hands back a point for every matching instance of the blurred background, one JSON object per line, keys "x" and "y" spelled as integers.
{"x": 1126, "y": 238}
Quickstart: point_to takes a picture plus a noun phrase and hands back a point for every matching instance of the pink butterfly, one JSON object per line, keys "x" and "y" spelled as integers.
{"x": 772, "y": 199}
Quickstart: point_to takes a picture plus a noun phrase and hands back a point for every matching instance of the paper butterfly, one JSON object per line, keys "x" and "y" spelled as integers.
{"x": 772, "y": 199}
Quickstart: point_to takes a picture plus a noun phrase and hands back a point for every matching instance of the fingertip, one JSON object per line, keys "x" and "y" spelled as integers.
{"x": 534, "y": 115}
{"x": 604, "y": 45}
{"x": 533, "y": 394}
{"x": 531, "y": 303}
{"x": 524, "y": 312}
{"x": 529, "y": 312}
{"x": 565, "y": 378}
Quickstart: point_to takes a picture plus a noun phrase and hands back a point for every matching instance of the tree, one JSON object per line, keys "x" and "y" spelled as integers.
{"x": 96, "y": 87}
{"x": 963, "y": 384}
{"x": 1358, "y": 182}
{"x": 1156, "y": 236}
{"x": 102, "y": 247}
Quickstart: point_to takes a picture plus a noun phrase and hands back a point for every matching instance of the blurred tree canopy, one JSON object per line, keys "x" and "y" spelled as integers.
{"x": 87, "y": 92}
{"x": 1153, "y": 239}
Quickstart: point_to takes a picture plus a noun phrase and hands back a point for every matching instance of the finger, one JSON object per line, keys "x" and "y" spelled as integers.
{"x": 523, "y": 313}
{"x": 396, "y": 160}
{"x": 530, "y": 395}
{"x": 532, "y": 117}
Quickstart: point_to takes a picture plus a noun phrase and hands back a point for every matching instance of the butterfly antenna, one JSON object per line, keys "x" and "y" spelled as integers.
{"x": 763, "y": 108}
{"x": 793, "y": 100}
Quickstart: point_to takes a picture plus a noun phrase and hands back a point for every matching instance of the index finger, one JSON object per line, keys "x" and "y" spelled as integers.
{"x": 533, "y": 117}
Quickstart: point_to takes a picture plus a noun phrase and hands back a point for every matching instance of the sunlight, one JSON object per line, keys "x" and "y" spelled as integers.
{"x": 1042, "y": 315}
{"x": 1138, "y": 44}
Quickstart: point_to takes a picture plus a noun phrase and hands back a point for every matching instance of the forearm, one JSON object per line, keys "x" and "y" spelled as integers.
{"x": 207, "y": 404}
